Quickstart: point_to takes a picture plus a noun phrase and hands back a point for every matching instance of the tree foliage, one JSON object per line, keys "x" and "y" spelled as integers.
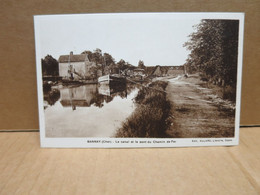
{"x": 214, "y": 48}
{"x": 106, "y": 61}
{"x": 95, "y": 56}
{"x": 50, "y": 66}
{"x": 121, "y": 64}
{"x": 141, "y": 64}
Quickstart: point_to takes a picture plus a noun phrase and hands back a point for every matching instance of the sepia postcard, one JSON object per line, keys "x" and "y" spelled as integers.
{"x": 120, "y": 80}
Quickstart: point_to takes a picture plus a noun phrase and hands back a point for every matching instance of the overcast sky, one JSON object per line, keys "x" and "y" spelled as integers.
{"x": 157, "y": 39}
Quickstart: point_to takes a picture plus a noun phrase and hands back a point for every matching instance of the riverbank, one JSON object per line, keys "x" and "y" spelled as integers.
{"x": 150, "y": 116}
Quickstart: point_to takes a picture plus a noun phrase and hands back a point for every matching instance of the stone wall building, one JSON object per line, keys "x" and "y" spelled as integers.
{"x": 76, "y": 66}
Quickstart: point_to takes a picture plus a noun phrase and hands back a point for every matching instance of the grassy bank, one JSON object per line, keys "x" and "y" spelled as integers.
{"x": 150, "y": 116}
{"x": 226, "y": 92}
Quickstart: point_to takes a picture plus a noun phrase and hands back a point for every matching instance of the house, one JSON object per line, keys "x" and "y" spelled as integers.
{"x": 76, "y": 66}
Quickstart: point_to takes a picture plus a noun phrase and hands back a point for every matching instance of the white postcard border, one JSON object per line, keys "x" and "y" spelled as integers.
{"x": 139, "y": 142}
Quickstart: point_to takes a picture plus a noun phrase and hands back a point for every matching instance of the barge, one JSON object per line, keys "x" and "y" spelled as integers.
{"x": 112, "y": 79}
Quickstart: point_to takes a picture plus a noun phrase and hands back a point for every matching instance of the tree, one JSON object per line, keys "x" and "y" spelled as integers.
{"x": 121, "y": 64}
{"x": 106, "y": 63}
{"x": 94, "y": 71}
{"x": 214, "y": 49}
{"x": 97, "y": 56}
{"x": 50, "y": 66}
{"x": 89, "y": 54}
{"x": 141, "y": 64}
{"x": 108, "y": 59}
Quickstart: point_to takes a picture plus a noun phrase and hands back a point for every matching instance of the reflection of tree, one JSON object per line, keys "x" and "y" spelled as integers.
{"x": 52, "y": 96}
{"x": 116, "y": 90}
{"x": 108, "y": 99}
{"x": 123, "y": 94}
{"x": 120, "y": 91}
{"x": 130, "y": 87}
{"x": 97, "y": 100}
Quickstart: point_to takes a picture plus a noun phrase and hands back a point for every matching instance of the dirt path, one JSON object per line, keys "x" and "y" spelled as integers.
{"x": 197, "y": 112}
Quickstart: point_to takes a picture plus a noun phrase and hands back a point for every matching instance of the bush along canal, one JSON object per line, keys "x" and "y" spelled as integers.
{"x": 149, "y": 119}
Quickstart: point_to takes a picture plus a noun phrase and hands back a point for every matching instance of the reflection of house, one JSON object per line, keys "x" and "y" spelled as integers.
{"x": 76, "y": 66}
{"x": 87, "y": 95}
{"x": 165, "y": 70}
{"x": 79, "y": 96}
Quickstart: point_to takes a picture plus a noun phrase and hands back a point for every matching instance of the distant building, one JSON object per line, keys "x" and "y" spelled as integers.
{"x": 175, "y": 70}
{"x": 76, "y": 66}
{"x": 165, "y": 71}
{"x": 139, "y": 72}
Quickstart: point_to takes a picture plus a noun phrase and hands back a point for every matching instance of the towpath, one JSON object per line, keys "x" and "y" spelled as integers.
{"x": 196, "y": 111}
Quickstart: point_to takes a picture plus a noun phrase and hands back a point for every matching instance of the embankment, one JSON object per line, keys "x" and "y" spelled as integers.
{"x": 150, "y": 117}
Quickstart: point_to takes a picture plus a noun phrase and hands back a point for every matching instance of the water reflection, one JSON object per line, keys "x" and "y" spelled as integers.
{"x": 108, "y": 90}
{"x": 86, "y": 95}
{"x": 87, "y": 110}
{"x": 81, "y": 96}
{"x": 51, "y": 96}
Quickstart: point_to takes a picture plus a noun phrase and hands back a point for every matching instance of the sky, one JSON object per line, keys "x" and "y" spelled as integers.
{"x": 156, "y": 39}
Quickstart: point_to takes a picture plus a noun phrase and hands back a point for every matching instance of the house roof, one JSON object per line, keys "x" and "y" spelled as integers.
{"x": 73, "y": 58}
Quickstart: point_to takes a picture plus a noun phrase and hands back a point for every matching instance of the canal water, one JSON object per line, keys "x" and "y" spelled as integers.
{"x": 87, "y": 110}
